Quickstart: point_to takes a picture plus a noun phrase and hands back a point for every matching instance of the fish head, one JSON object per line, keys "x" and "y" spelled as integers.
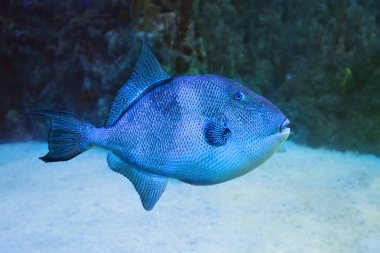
{"x": 257, "y": 126}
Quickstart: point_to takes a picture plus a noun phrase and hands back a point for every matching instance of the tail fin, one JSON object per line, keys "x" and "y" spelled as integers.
{"x": 68, "y": 136}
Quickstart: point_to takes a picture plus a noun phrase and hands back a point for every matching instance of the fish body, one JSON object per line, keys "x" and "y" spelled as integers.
{"x": 200, "y": 129}
{"x": 163, "y": 133}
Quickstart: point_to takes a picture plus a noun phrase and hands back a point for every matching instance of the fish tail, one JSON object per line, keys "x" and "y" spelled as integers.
{"x": 68, "y": 136}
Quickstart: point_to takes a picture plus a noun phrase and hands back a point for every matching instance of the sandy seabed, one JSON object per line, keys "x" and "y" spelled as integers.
{"x": 301, "y": 200}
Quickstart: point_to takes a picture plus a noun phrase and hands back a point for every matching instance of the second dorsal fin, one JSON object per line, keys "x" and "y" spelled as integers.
{"x": 147, "y": 72}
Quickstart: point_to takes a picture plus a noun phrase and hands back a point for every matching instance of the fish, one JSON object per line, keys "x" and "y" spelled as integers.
{"x": 201, "y": 129}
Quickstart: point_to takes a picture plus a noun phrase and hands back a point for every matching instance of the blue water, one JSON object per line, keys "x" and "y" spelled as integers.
{"x": 317, "y": 61}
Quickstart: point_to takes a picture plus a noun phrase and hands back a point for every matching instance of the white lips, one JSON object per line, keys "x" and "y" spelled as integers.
{"x": 286, "y": 131}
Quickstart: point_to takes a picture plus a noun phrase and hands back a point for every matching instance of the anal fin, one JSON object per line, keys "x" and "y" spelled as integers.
{"x": 149, "y": 187}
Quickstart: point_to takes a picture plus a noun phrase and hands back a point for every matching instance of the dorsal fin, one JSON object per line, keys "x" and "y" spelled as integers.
{"x": 149, "y": 187}
{"x": 147, "y": 72}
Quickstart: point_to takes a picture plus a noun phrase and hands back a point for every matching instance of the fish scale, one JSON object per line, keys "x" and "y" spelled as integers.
{"x": 200, "y": 129}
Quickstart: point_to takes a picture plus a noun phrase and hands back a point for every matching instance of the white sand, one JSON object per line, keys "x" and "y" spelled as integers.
{"x": 301, "y": 200}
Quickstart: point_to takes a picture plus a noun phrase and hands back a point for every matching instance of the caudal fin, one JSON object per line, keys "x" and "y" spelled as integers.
{"x": 68, "y": 136}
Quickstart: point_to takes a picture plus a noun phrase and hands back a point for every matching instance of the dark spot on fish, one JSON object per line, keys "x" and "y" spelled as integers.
{"x": 165, "y": 102}
{"x": 168, "y": 114}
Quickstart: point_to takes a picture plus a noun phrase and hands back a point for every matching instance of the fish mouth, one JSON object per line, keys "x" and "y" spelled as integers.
{"x": 284, "y": 127}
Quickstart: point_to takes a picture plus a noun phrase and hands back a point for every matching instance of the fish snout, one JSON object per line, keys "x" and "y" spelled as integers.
{"x": 284, "y": 127}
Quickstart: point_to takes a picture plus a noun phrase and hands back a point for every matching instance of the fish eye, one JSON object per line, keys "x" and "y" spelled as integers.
{"x": 238, "y": 95}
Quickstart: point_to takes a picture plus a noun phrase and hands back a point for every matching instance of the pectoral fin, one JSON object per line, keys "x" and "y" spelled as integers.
{"x": 216, "y": 131}
{"x": 150, "y": 187}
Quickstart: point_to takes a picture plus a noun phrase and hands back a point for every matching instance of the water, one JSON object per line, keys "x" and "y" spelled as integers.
{"x": 319, "y": 62}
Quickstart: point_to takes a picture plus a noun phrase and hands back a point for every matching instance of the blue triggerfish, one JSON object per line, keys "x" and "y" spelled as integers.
{"x": 199, "y": 129}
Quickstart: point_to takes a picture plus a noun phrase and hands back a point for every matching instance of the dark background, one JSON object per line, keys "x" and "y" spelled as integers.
{"x": 319, "y": 61}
